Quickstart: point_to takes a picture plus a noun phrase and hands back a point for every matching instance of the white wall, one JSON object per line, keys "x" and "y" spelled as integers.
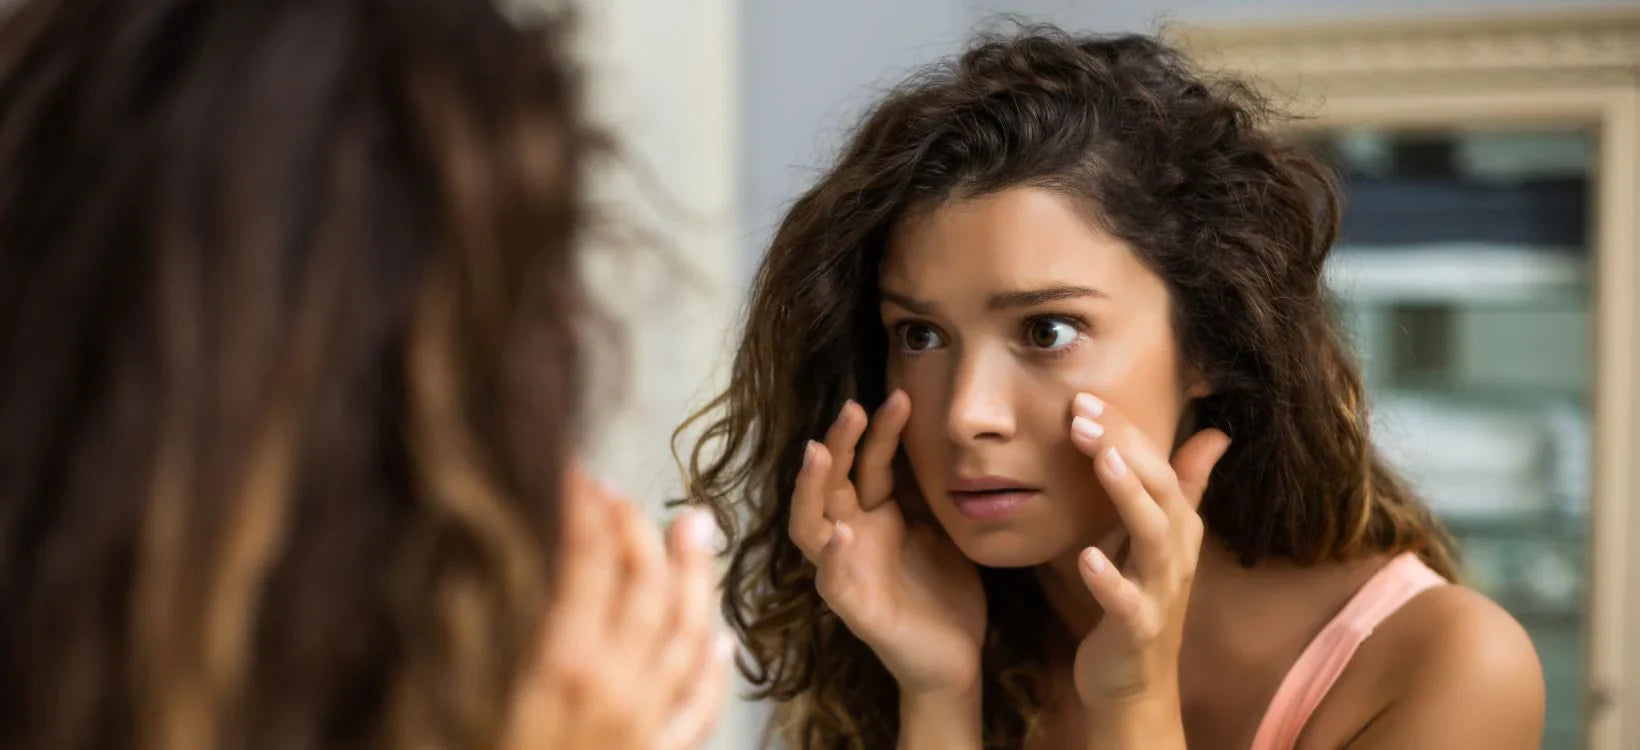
{"x": 808, "y": 67}
{"x": 663, "y": 84}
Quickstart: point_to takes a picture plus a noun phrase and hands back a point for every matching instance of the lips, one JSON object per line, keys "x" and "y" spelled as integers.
{"x": 990, "y": 498}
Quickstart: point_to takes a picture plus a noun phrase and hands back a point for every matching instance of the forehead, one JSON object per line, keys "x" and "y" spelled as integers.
{"x": 1013, "y": 239}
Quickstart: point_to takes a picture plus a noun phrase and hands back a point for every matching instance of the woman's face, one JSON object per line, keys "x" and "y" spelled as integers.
{"x": 999, "y": 310}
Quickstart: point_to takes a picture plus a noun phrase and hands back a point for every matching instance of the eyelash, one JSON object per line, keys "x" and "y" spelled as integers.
{"x": 1079, "y": 324}
{"x": 897, "y": 334}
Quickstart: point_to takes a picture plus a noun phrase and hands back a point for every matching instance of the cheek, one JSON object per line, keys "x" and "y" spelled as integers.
{"x": 1140, "y": 377}
{"x": 924, "y": 432}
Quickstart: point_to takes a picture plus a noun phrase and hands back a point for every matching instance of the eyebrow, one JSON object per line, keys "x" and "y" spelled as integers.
{"x": 1002, "y": 300}
{"x": 1033, "y": 297}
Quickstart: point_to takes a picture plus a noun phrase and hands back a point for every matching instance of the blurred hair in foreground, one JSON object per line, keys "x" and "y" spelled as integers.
{"x": 288, "y": 314}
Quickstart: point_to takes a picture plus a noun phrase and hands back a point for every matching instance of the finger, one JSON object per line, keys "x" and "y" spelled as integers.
{"x": 644, "y": 602}
{"x": 578, "y": 621}
{"x": 841, "y": 501}
{"x": 1121, "y": 599}
{"x": 1137, "y": 450}
{"x": 690, "y": 542}
{"x": 689, "y": 539}
{"x": 808, "y": 526}
{"x": 841, "y": 439}
{"x": 696, "y": 715}
{"x": 875, "y": 475}
{"x": 1193, "y": 463}
{"x": 1148, "y": 526}
{"x": 835, "y": 579}
{"x": 587, "y": 567}
{"x": 580, "y": 494}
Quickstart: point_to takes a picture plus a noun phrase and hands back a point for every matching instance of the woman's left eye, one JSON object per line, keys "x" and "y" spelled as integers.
{"x": 1050, "y": 334}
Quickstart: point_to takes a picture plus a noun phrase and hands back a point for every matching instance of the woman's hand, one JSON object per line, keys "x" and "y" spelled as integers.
{"x": 631, "y": 655}
{"x": 906, "y": 591}
{"x": 1127, "y": 668}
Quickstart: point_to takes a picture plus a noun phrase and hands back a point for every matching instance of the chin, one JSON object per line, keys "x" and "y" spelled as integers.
{"x": 1005, "y": 547}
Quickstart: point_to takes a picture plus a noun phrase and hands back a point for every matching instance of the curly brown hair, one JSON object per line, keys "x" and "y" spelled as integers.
{"x": 288, "y": 310}
{"x": 1188, "y": 173}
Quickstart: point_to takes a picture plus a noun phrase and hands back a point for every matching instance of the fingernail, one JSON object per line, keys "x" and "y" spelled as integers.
{"x": 1087, "y": 428}
{"x": 724, "y": 647}
{"x": 700, "y": 528}
{"x": 1095, "y": 560}
{"x": 1087, "y": 404}
{"x": 1118, "y": 467}
{"x": 808, "y": 454}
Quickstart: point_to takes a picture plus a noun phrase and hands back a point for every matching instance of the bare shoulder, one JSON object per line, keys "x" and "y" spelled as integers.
{"x": 1450, "y": 669}
{"x": 1458, "y": 635}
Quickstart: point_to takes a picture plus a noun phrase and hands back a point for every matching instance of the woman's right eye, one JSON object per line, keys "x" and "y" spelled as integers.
{"x": 918, "y": 337}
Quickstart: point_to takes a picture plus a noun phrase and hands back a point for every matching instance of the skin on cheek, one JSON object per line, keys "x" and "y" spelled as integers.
{"x": 1136, "y": 375}
{"x": 923, "y": 437}
{"x": 1145, "y": 385}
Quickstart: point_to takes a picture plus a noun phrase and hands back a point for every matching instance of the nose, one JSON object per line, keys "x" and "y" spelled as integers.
{"x": 980, "y": 407}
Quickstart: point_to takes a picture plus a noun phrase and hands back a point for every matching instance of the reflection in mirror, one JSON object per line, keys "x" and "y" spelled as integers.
{"x": 1046, "y": 294}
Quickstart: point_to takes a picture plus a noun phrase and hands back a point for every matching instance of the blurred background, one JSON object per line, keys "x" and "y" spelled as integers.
{"x": 1486, "y": 274}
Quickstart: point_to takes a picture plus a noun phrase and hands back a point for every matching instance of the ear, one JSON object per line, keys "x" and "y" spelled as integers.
{"x": 1195, "y": 385}
{"x": 1193, "y": 462}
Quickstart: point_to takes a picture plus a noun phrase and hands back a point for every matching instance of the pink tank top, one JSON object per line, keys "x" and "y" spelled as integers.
{"x": 1324, "y": 660}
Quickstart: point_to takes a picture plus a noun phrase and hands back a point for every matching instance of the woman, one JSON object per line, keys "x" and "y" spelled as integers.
{"x": 288, "y": 315}
{"x": 1080, "y": 287}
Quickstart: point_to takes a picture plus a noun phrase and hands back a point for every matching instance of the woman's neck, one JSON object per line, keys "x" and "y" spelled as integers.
{"x": 1233, "y": 610}
{"x": 1061, "y": 582}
